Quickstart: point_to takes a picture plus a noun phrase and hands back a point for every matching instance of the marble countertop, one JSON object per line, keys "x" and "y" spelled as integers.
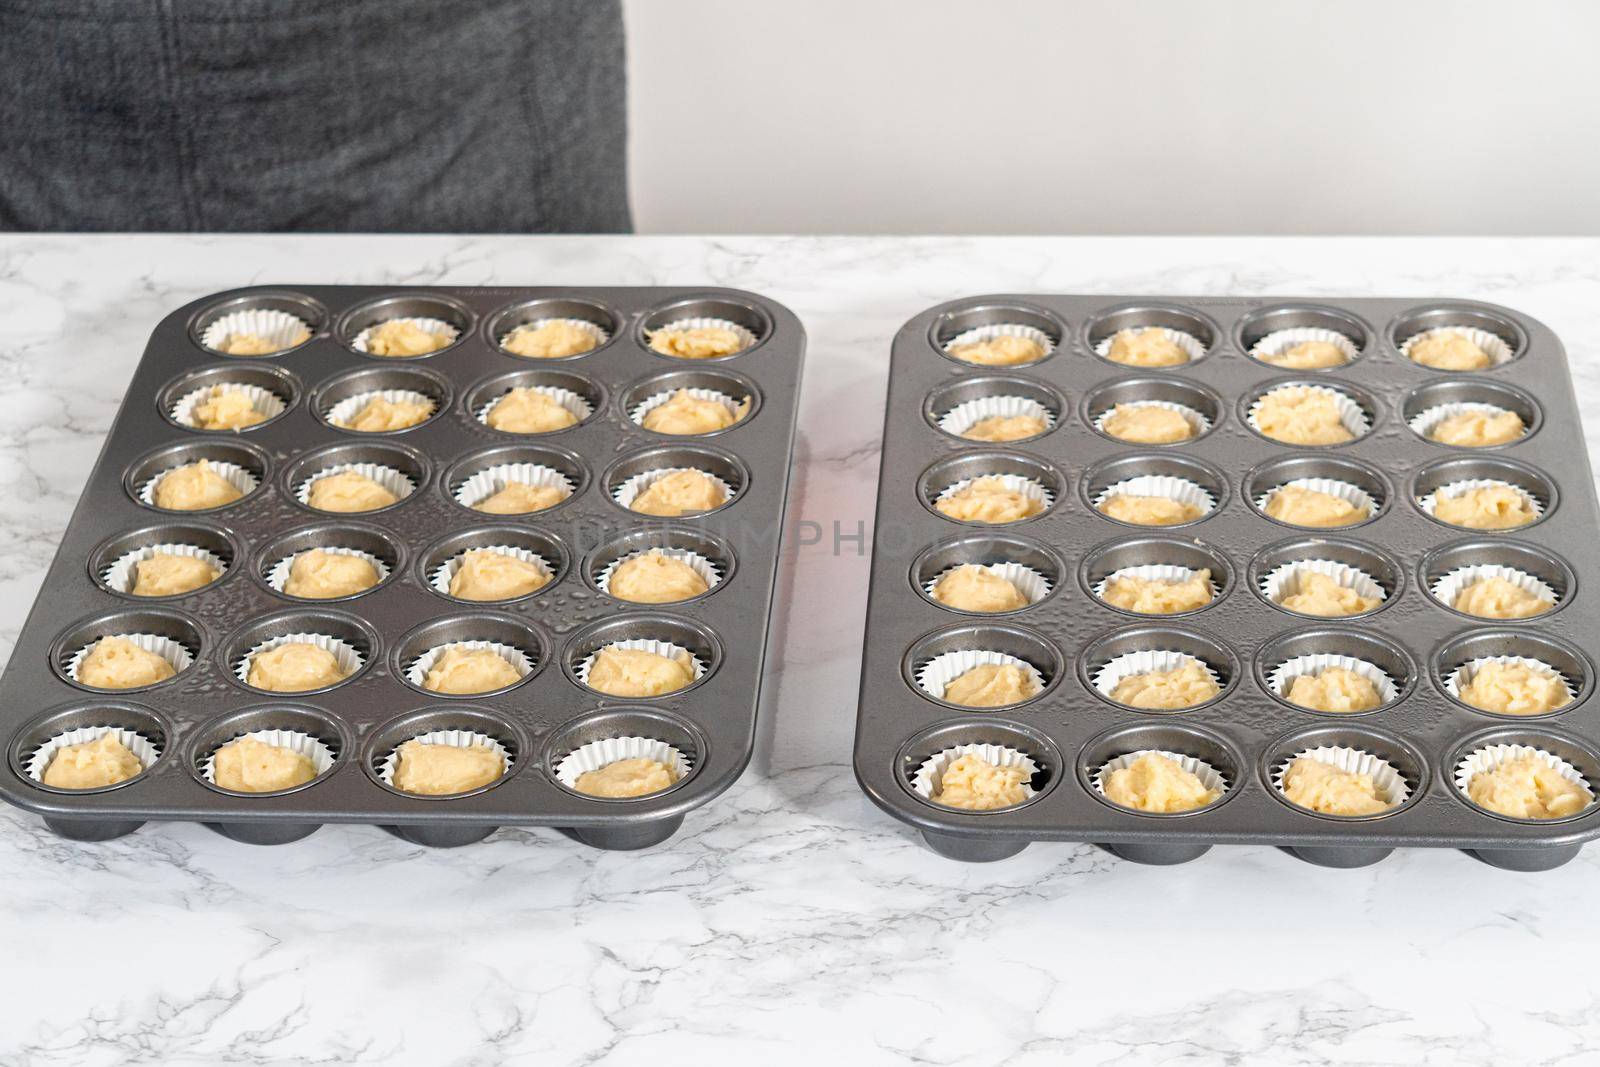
{"x": 790, "y": 921}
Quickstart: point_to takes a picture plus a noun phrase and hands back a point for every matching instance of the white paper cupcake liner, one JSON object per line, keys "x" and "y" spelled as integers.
{"x": 979, "y": 334}
{"x": 38, "y": 761}
{"x": 121, "y": 574}
{"x": 746, "y": 337}
{"x": 1462, "y": 675}
{"x": 489, "y": 481}
{"x": 707, "y": 570}
{"x": 304, "y": 744}
{"x": 176, "y": 655}
{"x": 1425, "y": 422}
{"x": 929, "y": 775}
{"x": 1152, "y": 572}
{"x": 1015, "y": 483}
{"x": 436, "y": 327}
{"x": 936, "y": 674}
{"x": 1430, "y": 502}
{"x": 236, "y": 476}
{"x": 347, "y": 409}
{"x": 1490, "y": 757}
{"x": 1209, "y": 776}
{"x": 441, "y": 575}
{"x": 345, "y": 655}
{"x": 453, "y": 738}
{"x": 1447, "y": 587}
{"x": 263, "y": 402}
{"x": 278, "y": 327}
{"x": 1282, "y": 676}
{"x": 1350, "y": 493}
{"x": 1498, "y": 351}
{"x": 391, "y": 479}
{"x": 579, "y": 408}
{"x": 603, "y": 753}
{"x": 1351, "y": 414}
{"x": 1280, "y": 341}
{"x": 1284, "y": 580}
{"x": 1029, "y": 582}
{"x": 650, "y": 403}
{"x": 1163, "y": 485}
{"x": 627, "y": 491}
{"x": 1198, "y": 423}
{"x": 1390, "y": 784}
{"x": 642, "y": 644}
{"x": 278, "y": 575}
{"x": 594, "y": 330}
{"x": 1191, "y": 345}
{"x": 1108, "y": 674}
{"x": 963, "y": 417}
{"x": 417, "y": 670}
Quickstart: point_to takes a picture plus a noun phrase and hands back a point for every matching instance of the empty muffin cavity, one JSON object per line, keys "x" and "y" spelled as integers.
{"x": 259, "y": 324}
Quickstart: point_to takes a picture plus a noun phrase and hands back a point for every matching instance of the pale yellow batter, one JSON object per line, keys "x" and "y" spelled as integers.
{"x": 529, "y": 410}
{"x": 1490, "y": 507}
{"x": 683, "y": 492}
{"x": 485, "y": 574}
{"x": 1153, "y": 347}
{"x": 655, "y": 578}
{"x": 991, "y": 685}
{"x": 1449, "y": 350}
{"x": 1334, "y": 689}
{"x": 382, "y": 415}
{"x": 1005, "y": 428}
{"x": 92, "y": 765}
{"x": 1318, "y": 594}
{"x": 348, "y": 492}
{"x": 1301, "y": 415}
{"x": 249, "y": 344}
{"x": 1526, "y": 787}
{"x": 972, "y": 783}
{"x": 685, "y": 415}
{"x": 247, "y": 765}
{"x": 1157, "y": 783}
{"x": 1183, "y": 686}
{"x": 1308, "y": 355}
{"x": 294, "y": 668}
{"x": 1159, "y": 596}
{"x": 441, "y": 770}
{"x": 551, "y": 339}
{"x": 520, "y": 498}
{"x": 1496, "y": 598}
{"x": 1300, "y": 506}
{"x": 164, "y": 574}
{"x": 226, "y": 409}
{"x": 194, "y": 487}
{"x": 460, "y": 670}
{"x": 699, "y": 342}
{"x": 1478, "y": 429}
{"x": 402, "y": 337}
{"x": 319, "y": 575}
{"x": 626, "y": 778}
{"x": 1147, "y": 424}
{"x": 1330, "y": 791}
{"x": 632, "y": 672}
{"x": 1003, "y": 350}
{"x": 987, "y": 500}
{"x": 118, "y": 663}
{"x": 1149, "y": 510}
{"x": 970, "y": 587}
{"x": 1515, "y": 689}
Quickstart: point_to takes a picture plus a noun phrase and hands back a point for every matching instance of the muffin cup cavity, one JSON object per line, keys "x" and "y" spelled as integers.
{"x": 733, "y": 392}
{"x": 114, "y": 564}
{"x": 440, "y": 316}
{"x": 580, "y": 396}
{"x": 629, "y": 477}
{"x": 1200, "y": 408}
{"x": 352, "y": 642}
{"x": 1358, "y": 410}
{"x": 749, "y": 321}
{"x": 1451, "y": 477}
{"x": 440, "y": 561}
{"x": 1447, "y": 570}
{"x": 595, "y": 319}
{"x": 1457, "y": 659}
{"x": 957, "y": 406}
{"x": 278, "y": 317}
{"x": 1163, "y": 475}
{"x": 271, "y": 392}
{"x": 1154, "y": 558}
{"x": 1143, "y": 649}
{"x": 1307, "y": 653}
{"x": 1272, "y": 331}
{"x": 243, "y": 466}
{"x": 1487, "y": 750}
{"x": 481, "y": 474}
{"x": 168, "y": 634}
{"x": 1034, "y": 569}
{"x": 375, "y": 546}
{"x": 1277, "y": 570}
{"x": 1203, "y": 753}
{"x": 1499, "y": 337}
{"x": 710, "y": 557}
{"x": 1349, "y": 480}
{"x": 506, "y": 636}
{"x": 1035, "y": 479}
{"x": 663, "y": 635}
{"x": 593, "y": 741}
{"x": 940, "y": 657}
{"x": 340, "y": 399}
{"x": 140, "y": 729}
{"x": 1397, "y": 769}
{"x": 1426, "y": 406}
{"x": 1191, "y": 331}
{"x": 400, "y": 470}
{"x": 456, "y": 726}
{"x": 923, "y": 759}
{"x": 304, "y": 731}
{"x": 987, "y": 321}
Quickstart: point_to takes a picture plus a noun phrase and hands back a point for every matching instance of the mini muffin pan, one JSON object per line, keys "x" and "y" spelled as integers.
{"x": 386, "y": 635}
{"x": 1413, "y": 645}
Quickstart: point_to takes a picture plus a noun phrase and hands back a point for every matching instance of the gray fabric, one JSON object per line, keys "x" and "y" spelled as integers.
{"x": 360, "y": 115}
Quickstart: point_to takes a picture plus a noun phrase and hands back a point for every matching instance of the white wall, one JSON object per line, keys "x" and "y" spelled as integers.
{"x": 1098, "y": 116}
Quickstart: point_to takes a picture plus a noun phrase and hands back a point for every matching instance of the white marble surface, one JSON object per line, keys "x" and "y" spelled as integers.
{"x": 790, "y": 922}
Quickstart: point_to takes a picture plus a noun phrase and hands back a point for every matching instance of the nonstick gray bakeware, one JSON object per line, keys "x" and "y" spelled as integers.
{"x": 1249, "y": 732}
{"x": 538, "y": 721}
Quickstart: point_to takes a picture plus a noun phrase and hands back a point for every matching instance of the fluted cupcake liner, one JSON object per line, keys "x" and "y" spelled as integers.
{"x": 1198, "y": 423}
{"x": 737, "y": 409}
{"x": 235, "y": 475}
{"x": 1192, "y": 346}
{"x": 1462, "y": 675}
{"x": 1424, "y": 422}
{"x": 1015, "y": 483}
{"x": 346, "y": 655}
{"x": 963, "y": 417}
{"x": 1163, "y": 485}
{"x": 1346, "y": 491}
{"x": 176, "y": 655}
{"x": 278, "y": 327}
{"x": 1284, "y": 581}
{"x": 278, "y": 574}
{"x": 1282, "y": 676}
{"x": 707, "y": 570}
{"x": 928, "y": 778}
{"x": 1211, "y": 778}
{"x": 344, "y": 411}
{"x": 597, "y": 754}
{"x": 641, "y": 644}
{"x": 626, "y": 491}
{"x": 296, "y": 741}
{"x": 121, "y": 574}
{"x": 1447, "y": 587}
{"x": 1279, "y": 341}
{"x": 1029, "y": 582}
{"x": 701, "y": 322}
{"x": 576, "y": 405}
{"x": 1490, "y": 757}
{"x": 416, "y": 671}
{"x": 263, "y": 402}
{"x": 593, "y": 329}
{"x": 1430, "y": 502}
{"x": 1389, "y": 782}
{"x": 1497, "y": 350}
{"x": 936, "y": 674}
{"x": 441, "y": 575}
{"x": 38, "y": 761}
{"x": 396, "y": 481}
{"x": 1351, "y": 414}
{"x": 489, "y": 481}
{"x": 979, "y": 334}
{"x": 435, "y": 327}
{"x": 1151, "y": 572}
{"x": 455, "y": 739}
{"x": 1149, "y": 661}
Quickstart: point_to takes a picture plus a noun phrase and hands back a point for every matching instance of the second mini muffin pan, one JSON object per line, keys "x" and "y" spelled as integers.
{"x": 547, "y": 725}
{"x": 1423, "y": 742}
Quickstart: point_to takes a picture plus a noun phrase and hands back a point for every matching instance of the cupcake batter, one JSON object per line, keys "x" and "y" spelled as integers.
{"x": 226, "y": 409}
{"x": 1149, "y": 510}
{"x": 165, "y": 574}
{"x": 1152, "y": 347}
{"x": 403, "y": 337}
{"x": 1324, "y": 788}
{"x": 529, "y": 410}
{"x": 1159, "y": 596}
{"x": 249, "y": 344}
{"x": 552, "y": 339}
{"x": 520, "y": 498}
{"x": 1002, "y": 350}
{"x": 684, "y": 415}
{"x": 1005, "y": 428}
{"x": 991, "y": 685}
{"x": 988, "y": 500}
{"x": 92, "y": 765}
{"x": 1526, "y": 787}
{"x": 1308, "y": 355}
{"x": 118, "y": 663}
{"x": 383, "y": 415}
{"x": 347, "y": 492}
{"x": 972, "y": 783}
{"x": 1448, "y": 350}
{"x": 1497, "y": 598}
{"x": 194, "y": 487}
{"x": 632, "y": 672}
{"x": 1479, "y": 429}
{"x": 1515, "y": 689}
{"x": 485, "y": 574}
{"x": 441, "y": 770}
{"x": 1147, "y": 424}
{"x": 970, "y": 587}
{"x": 1300, "y": 506}
{"x": 319, "y": 575}
{"x": 698, "y": 342}
{"x": 1489, "y": 507}
{"x": 1157, "y": 783}
{"x": 1318, "y": 594}
{"x": 1183, "y": 686}
{"x": 626, "y": 778}
{"x": 248, "y": 765}
{"x": 294, "y": 667}
{"x": 1334, "y": 689}
{"x": 460, "y": 671}
{"x": 655, "y": 578}
{"x": 1301, "y": 415}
